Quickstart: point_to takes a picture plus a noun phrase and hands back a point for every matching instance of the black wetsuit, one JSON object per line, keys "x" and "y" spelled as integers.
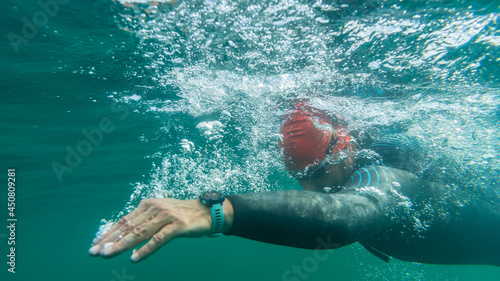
{"x": 409, "y": 211}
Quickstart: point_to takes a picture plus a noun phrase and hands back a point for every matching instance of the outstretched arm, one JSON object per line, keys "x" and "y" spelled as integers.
{"x": 301, "y": 219}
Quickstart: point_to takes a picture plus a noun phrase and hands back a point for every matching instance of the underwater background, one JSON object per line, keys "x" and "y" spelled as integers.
{"x": 104, "y": 103}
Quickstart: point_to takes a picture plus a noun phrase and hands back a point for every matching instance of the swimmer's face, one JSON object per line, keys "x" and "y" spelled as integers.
{"x": 335, "y": 175}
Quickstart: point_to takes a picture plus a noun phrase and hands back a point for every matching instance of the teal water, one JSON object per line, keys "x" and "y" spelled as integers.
{"x": 140, "y": 78}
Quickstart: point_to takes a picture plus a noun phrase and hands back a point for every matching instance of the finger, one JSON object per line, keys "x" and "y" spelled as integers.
{"x": 165, "y": 235}
{"x": 141, "y": 209}
{"x": 120, "y": 223}
{"x": 123, "y": 222}
{"x": 139, "y": 234}
{"x": 127, "y": 226}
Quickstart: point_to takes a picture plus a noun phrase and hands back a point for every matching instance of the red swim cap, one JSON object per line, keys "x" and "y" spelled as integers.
{"x": 307, "y": 132}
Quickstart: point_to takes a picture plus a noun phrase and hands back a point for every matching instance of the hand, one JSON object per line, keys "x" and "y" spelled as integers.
{"x": 161, "y": 219}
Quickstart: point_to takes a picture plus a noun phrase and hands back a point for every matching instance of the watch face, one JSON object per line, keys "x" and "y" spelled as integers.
{"x": 212, "y": 195}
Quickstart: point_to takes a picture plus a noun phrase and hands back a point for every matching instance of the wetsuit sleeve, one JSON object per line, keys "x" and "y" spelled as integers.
{"x": 312, "y": 220}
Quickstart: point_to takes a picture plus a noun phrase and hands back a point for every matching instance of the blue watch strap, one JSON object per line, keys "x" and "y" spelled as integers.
{"x": 217, "y": 220}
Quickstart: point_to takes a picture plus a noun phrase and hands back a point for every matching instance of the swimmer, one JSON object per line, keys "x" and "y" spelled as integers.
{"x": 388, "y": 194}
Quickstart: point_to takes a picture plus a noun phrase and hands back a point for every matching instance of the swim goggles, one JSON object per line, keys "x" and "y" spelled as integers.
{"x": 318, "y": 171}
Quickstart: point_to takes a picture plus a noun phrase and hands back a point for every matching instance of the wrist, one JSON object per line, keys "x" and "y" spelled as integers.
{"x": 221, "y": 212}
{"x": 228, "y": 215}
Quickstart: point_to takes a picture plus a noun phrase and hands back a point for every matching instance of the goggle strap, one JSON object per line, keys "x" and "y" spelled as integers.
{"x": 331, "y": 146}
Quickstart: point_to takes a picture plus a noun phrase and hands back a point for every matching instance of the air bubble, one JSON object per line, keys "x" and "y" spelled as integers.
{"x": 211, "y": 130}
{"x": 204, "y": 126}
{"x": 187, "y": 146}
{"x": 395, "y": 184}
{"x": 212, "y": 163}
{"x": 276, "y": 138}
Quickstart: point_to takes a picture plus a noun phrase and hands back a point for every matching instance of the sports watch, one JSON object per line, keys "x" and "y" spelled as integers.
{"x": 213, "y": 200}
